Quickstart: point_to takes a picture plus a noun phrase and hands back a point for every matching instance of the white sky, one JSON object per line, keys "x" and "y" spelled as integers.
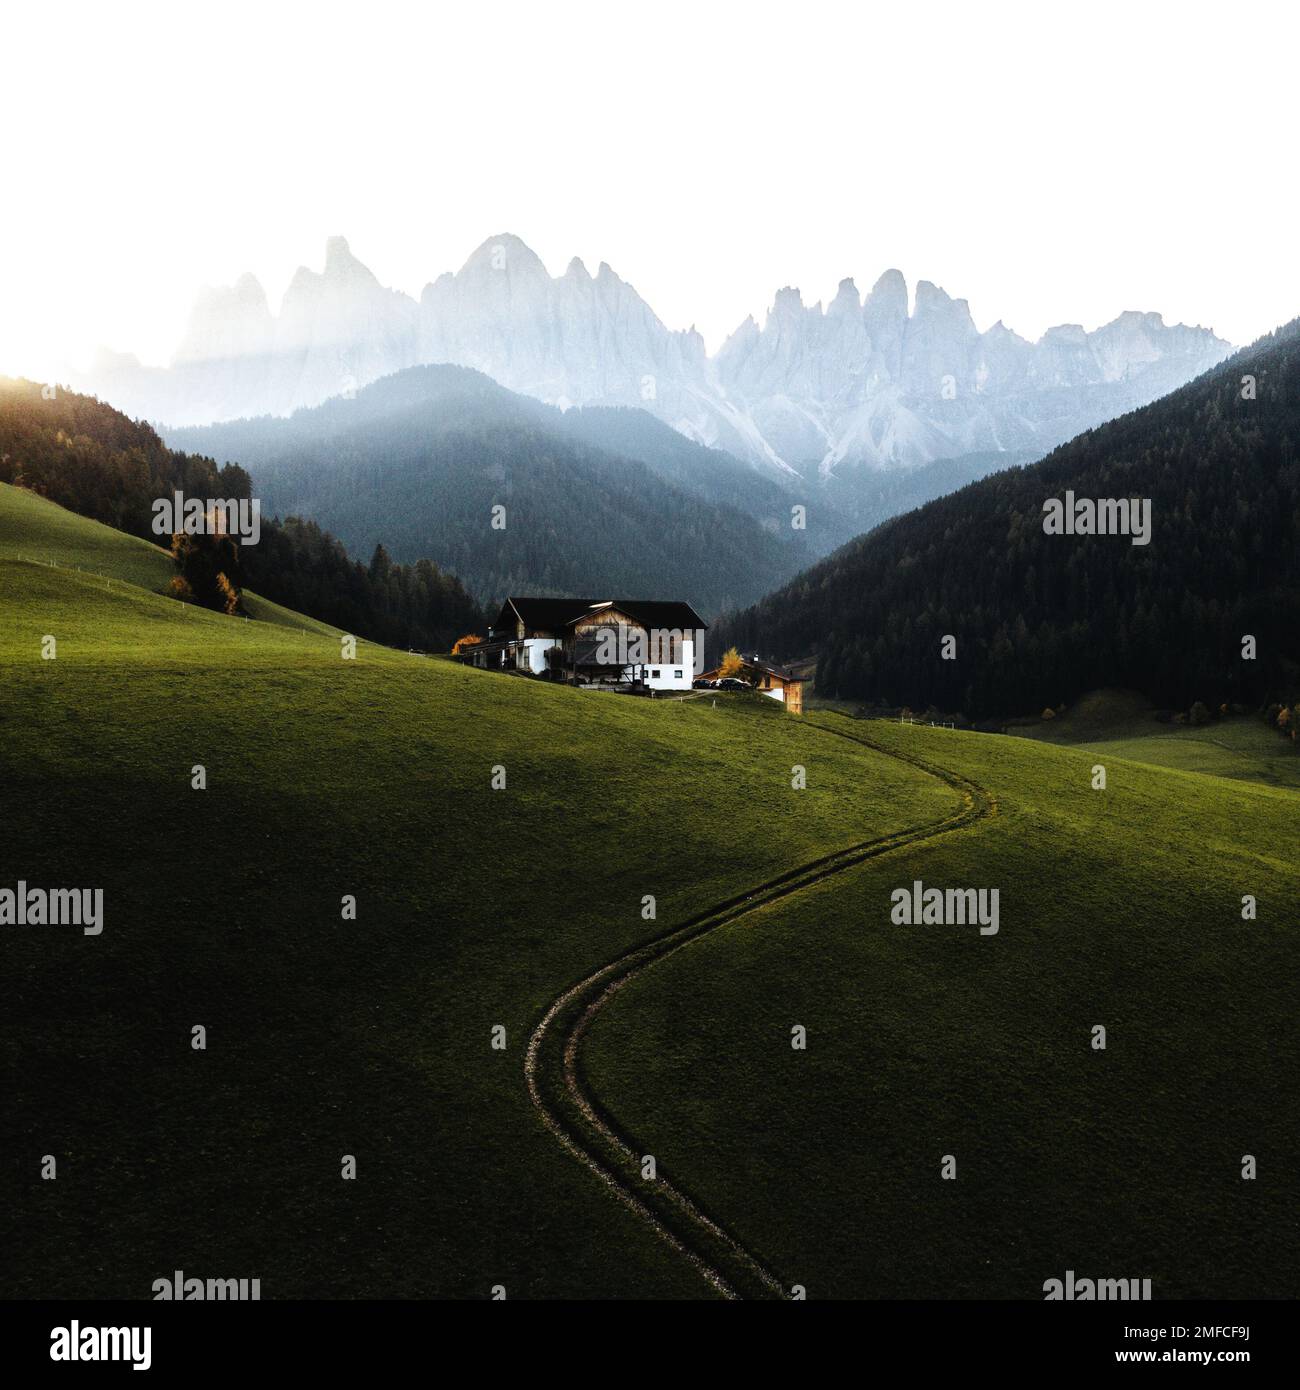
{"x": 1049, "y": 162}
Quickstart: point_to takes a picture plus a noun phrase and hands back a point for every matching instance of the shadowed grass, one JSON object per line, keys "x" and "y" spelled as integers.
{"x": 1120, "y": 724}
{"x": 328, "y": 1037}
{"x": 1120, "y": 908}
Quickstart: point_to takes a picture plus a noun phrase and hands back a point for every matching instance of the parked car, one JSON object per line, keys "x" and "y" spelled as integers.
{"x": 701, "y": 683}
{"x": 731, "y": 683}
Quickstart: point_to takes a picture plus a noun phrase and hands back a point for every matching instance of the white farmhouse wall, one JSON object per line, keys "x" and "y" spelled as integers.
{"x": 534, "y": 654}
{"x": 675, "y": 676}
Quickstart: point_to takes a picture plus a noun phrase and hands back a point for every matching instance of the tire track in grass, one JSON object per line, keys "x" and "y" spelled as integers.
{"x": 557, "y": 1086}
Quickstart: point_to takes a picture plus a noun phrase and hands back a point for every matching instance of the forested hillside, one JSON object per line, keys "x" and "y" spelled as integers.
{"x": 420, "y": 460}
{"x": 1038, "y": 618}
{"x": 91, "y": 459}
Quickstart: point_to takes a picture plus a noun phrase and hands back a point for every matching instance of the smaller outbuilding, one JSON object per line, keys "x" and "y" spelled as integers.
{"x": 781, "y": 683}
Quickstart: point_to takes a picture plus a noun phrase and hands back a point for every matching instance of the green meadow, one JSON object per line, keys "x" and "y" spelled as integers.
{"x": 1120, "y": 908}
{"x": 324, "y": 778}
{"x": 1120, "y": 724}
{"x": 372, "y": 779}
{"x": 35, "y": 530}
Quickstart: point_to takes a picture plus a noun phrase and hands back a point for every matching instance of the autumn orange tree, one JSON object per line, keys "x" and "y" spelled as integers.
{"x": 732, "y": 664}
{"x": 469, "y": 640}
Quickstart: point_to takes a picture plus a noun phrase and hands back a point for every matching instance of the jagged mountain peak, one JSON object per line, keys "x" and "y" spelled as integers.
{"x": 1139, "y": 317}
{"x": 248, "y": 289}
{"x": 890, "y": 285}
{"x": 506, "y": 252}
{"x": 932, "y": 298}
{"x": 1065, "y": 333}
{"x": 246, "y": 295}
{"x": 999, "y": 332}
{"x": 341, "y": 268}
{"x": 338, "y": 254}
{"x": 740, "y": 339}
{"x": 857, "y": 381}
{"x": 847, "y": 300}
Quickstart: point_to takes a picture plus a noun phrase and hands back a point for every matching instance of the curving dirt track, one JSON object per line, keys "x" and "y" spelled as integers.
{"x": 557, "y": 1087}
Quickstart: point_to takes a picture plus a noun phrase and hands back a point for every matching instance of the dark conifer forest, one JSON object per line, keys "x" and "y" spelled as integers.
{"x": 1037, "y": 618}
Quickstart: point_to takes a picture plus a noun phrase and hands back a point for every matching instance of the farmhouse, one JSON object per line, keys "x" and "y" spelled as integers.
{"x": 599, "y": 643}
{"x": 780, "y": 682}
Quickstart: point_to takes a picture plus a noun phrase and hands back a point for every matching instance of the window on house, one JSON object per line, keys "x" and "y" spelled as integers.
{"x": 677, "y": 675}
{"x": 654, "y": 675}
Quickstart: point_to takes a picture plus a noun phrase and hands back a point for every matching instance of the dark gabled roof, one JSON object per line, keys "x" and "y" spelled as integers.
{"x": 548, "y": 613}
{"x": 552, "y": 614}
{"x": 785, "y": 672}
{"x": 663, "y": 613}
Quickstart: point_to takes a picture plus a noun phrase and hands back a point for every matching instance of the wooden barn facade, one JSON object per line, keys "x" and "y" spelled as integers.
{"x": 604, "y": 643}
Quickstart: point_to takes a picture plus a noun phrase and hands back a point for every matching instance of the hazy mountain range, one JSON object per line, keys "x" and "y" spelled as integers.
{"x": 592, "y": 500}
{"x": 816, "y": 392}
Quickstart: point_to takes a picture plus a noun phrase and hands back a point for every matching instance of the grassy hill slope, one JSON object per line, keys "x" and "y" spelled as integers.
{"x": 328, "y": 1037}
{"x": 1121, "y": 724}
{"x": 1119, "y": 907}
{"x": 38, "y": 531}
{"x": 475, "y": 908}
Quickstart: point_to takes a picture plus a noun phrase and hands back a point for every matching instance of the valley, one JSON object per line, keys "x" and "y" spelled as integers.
{"x": 370, "y": 1034}
{"x": 648, "y": 657}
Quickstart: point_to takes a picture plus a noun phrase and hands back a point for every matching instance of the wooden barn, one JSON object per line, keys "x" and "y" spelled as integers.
{"x": 781, "y": 683}
{"x": 601, "y": 643}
